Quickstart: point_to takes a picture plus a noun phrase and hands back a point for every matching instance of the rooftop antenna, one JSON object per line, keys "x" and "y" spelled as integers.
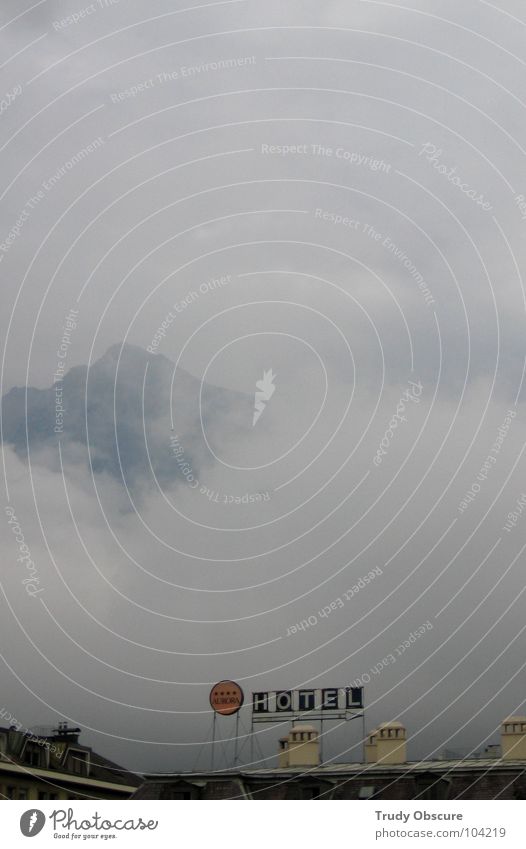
{"x": 64, "y": 730}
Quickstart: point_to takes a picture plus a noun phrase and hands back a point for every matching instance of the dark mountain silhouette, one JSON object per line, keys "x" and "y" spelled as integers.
{"x": 105, "y": 412}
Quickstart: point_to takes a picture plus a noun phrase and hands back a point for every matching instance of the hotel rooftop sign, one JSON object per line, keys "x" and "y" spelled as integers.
{"x": 320, "y": 703}
{"x": 226, "y": 698}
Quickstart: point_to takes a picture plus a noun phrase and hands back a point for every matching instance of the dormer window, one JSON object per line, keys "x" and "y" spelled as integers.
{"x": 32, "y": 754}
{"x": 78, "y": 762}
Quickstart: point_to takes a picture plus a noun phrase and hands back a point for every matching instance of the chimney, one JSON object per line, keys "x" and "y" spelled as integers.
{"x": 370, "y": 747}
{"x": 300, "y": 748}
{"x": 390, "y": 743}
{"x": 513, "y": 738}
{"x": 283, "y": 754}
{"x": 64, "y": 732}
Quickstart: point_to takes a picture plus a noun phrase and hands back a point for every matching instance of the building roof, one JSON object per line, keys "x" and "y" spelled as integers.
{"x": 342, "y": 769}
{"x": 57, "y": 756}
{"x": 303, "y": 728}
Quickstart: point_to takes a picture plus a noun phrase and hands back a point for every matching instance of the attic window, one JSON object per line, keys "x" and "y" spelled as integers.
{"x": 78, "y": 762}
{"x": 32, "y": 755}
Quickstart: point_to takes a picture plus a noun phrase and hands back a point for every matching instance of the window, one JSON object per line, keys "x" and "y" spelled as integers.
{"x": 10, "y": 791}
{"x": 366, "y": 792}
{"x": 430, "y": 786}
{"x": 78, "y": 762}
{"x": 32, "y": 755}
{"x": 42, "y": 794}
{"x": 312, "y": 792}
{"x": 22, "y": 793}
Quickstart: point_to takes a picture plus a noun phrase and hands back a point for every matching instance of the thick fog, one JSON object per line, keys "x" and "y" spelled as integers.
{"x": 263, "y": 333}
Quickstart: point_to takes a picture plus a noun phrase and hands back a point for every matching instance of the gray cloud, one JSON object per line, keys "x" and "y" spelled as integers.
{"x": 152, "y": 592}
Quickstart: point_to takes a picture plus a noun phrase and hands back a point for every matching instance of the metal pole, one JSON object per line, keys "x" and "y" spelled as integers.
{"x": 213, "y": 741}
{"x": 363, "y": 735}
{"x": 235, "y": 740}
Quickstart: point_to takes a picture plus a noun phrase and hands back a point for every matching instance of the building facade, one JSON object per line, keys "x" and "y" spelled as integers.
{"x": 57, "y": 766}
{"x": 386, "y": 774}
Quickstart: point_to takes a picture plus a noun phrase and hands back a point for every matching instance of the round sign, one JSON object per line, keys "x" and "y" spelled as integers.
{"x": 226, "y": 697}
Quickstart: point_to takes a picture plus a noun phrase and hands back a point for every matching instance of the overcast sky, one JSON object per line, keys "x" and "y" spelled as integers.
{"x": 331, "y": 195}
